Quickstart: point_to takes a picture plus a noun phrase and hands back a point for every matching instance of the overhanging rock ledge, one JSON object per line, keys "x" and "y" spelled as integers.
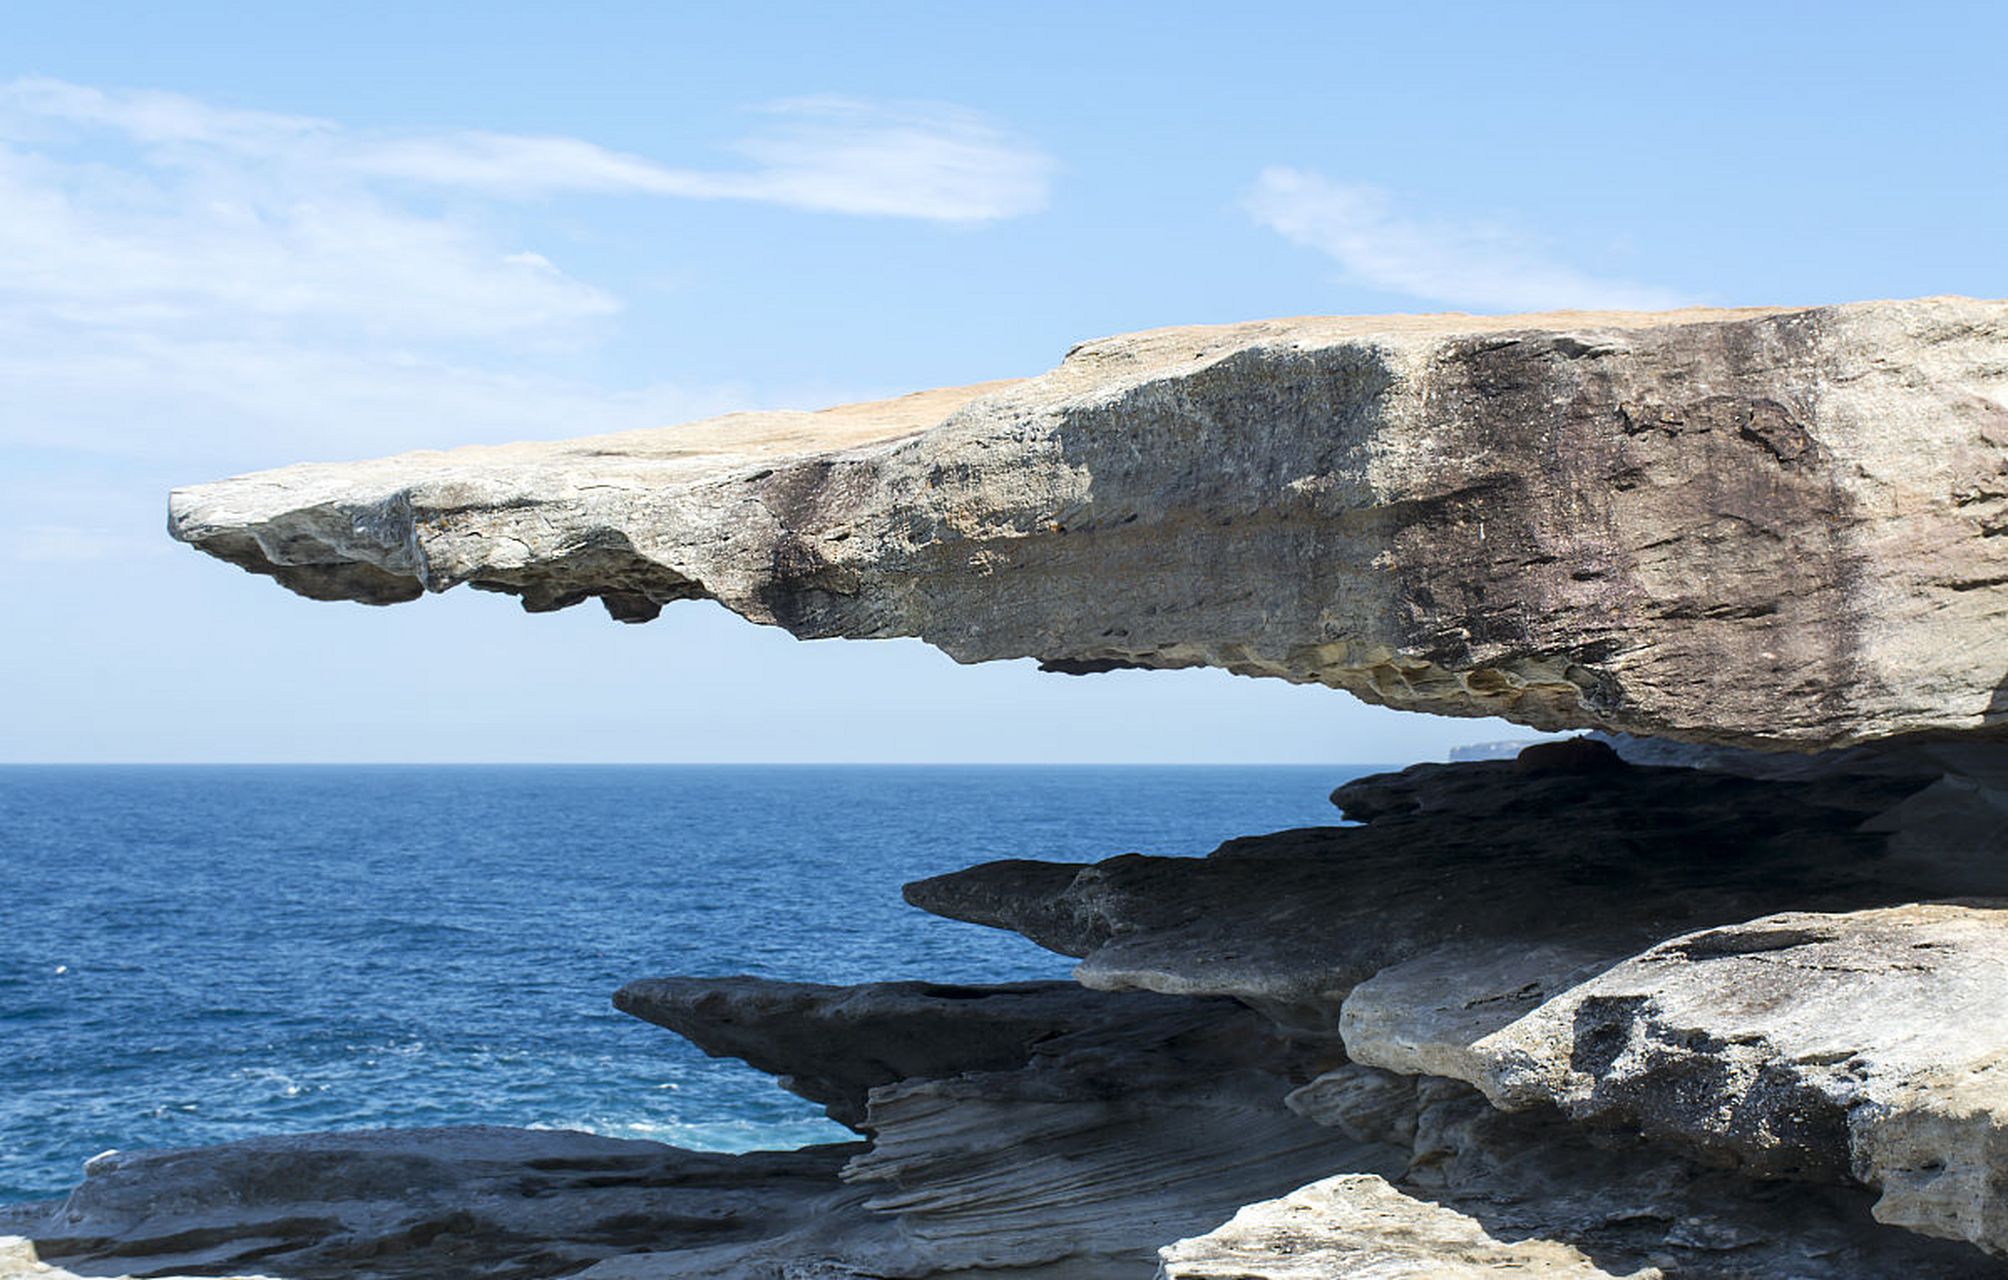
{"x": 1761, "y": 527}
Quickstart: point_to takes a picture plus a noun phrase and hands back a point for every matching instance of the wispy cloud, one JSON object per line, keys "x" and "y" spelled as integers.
{"x": 228, "y": 249}
{"x": 1479, "y": 265}
{"x": 930, "y": 161}
{"x": 177, "y": 276}
{"x": 834, "y": 155}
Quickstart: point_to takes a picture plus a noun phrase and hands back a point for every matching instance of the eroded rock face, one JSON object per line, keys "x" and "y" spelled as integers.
{"x": 1489, "y": 1193}
{"x": 1108, "y": 1143}
{"x": 1763, "y": 527}
{"x": 1870, "y": 1046}
{"x": 419, "y": 1204}
{"x": 833, "y": 1045}
{"x": 1072, "y": 1153}
{"x": 1029, "y": 1125}
{"x": 1169, "y": 1117}
{"x": 1559, "y": 867}
{"x": 1519, "y": 926}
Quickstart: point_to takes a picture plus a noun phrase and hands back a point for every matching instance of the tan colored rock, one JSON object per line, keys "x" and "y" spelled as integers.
{"x": 1759, "y": 527}
{"x": 1867, "y": 1046}
{"x": 1628, "y": 1207}
{"x": 1359, "y": 1225}
{"x": 20, "y": 1260}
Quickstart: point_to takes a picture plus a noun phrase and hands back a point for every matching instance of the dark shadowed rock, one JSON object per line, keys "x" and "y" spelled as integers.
{"x": 424, "y": 1204}
{"x": 1570, "y": 755}
{"x": 1561, "y": 866}
{"x": 833, "y": 1045}
{"x": 1108, "y": 1142}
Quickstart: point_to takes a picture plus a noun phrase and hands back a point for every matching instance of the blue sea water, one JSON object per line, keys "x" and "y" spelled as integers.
{"x": 191, "y": 955}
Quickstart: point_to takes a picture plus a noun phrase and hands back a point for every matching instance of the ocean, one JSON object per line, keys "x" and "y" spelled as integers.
{"x": 194, "y": 954}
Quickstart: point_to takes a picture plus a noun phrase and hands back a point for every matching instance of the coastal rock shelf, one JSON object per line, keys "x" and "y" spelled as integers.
{"x": 418, "y": 1203}
{"x": 1136, "y": 1121}
{"x": 1763, "y": 527}
{"x": 1562, "y": 1015}
{"x": 1549, "y": 867}
{"x": 1605, "y": 946}
{"x": 1720, "y": 992}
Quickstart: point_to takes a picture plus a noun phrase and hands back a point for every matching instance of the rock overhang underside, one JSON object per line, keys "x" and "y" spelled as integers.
{"x": 1767, "y": 527}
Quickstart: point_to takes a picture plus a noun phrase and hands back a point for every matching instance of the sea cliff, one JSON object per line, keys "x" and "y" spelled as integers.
{"x": 1720, "y": 990}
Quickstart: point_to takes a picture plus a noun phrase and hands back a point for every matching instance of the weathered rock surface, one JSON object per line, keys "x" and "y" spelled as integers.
{"x": 1106, "y": 1146}
{"x": 1071, "y": 1141}
{"x": 1774, "y": 528}
{"x": 19, "y": 1260}
{"x": 1164, "y": 1117}
{"x": 1030, "y": 1125}
{"x": 1564, "y": 865}
{"x": 1870, "y": 1046}
{"x": 1589, "y": 939}
{"x": 1044, "y": 1131}
{"x": 833, "y": 1045}
{"x": 480, "y": 1201}
{"x": 1359, "y": 1225}
{"x": 1491, "y": 1193}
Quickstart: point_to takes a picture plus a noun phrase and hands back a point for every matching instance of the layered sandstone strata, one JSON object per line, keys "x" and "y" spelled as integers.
{"x": 1725, "y": 1000}
{"x": 1762, "y": 527}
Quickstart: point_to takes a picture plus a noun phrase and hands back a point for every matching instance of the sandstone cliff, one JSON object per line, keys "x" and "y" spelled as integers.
{"x": 1629, "y": 1007}
{"x": 1766, "y": 527}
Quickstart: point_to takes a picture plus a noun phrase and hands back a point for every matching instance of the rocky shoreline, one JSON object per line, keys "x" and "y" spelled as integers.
{"x": 1721, "y": 991}
{"x": 1486, "y": 1030}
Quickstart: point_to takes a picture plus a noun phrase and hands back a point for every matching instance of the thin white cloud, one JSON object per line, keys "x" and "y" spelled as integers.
{"x": 929, "y": 161}
{"x": 179, "y": 279}
{"x": 227, "y": 249}
{"x": 834, "y": 155}
{"x": 1465, "y": 264}
{"x": 854, "y": 157}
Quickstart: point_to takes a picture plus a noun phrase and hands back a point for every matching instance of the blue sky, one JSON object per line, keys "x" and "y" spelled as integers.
{"x": 233, "y": 238}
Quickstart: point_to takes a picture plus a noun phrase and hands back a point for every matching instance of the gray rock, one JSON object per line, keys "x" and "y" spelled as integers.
{"x": 1033, "y": 1125}
{"x": 1570, "y": 933}
{"x": 1103, "y": 1141}
{"x": 1109, "y": 1143}
{"x": 479, "y": 1201}
{"x": 1489, "y": 1193}
{"x": 1869, "y": 1046}
{"x": 833, "y": 1044}
{"x": 20, "y": 1260}
{"x": 1561, "y": 864}
{"x": 1768, "y": 528}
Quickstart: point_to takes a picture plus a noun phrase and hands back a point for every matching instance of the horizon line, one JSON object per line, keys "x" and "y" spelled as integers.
{"x": 696, "y": 764}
